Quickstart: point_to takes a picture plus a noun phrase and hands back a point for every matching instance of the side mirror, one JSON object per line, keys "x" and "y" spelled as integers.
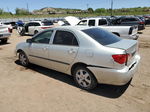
{"x": 29, "y": 40}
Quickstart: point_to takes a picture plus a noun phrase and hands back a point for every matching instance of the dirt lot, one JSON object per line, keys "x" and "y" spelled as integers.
{"x": 37, "y": 89}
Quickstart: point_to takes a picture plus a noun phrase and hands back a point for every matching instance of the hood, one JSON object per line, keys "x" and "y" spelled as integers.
{"x": 72, "y": 20}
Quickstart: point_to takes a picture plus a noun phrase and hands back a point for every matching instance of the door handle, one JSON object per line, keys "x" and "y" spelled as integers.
{"x": 72, "y": 51}
{"x": 45, "y": 48}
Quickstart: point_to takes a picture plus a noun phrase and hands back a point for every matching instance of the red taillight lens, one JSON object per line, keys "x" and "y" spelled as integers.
{"x": 141, "y": 22}
{"x": 9, "y": 30}
{"x": 45, "y": 27}
{"x": 120, "y": 58}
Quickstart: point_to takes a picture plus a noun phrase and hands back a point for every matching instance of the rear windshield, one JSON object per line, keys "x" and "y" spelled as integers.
{"x": 101, "y": 36}
{"x": 47, "y": 23}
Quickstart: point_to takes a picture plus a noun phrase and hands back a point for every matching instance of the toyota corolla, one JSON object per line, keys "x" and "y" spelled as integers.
{"x": 90, "y": 54}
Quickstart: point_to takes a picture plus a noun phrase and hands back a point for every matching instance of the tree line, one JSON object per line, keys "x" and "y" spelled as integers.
{"x": 98, "y": 11}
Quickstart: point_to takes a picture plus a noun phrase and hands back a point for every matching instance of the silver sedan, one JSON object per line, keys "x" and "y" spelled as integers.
{"x": 90, "y": 54}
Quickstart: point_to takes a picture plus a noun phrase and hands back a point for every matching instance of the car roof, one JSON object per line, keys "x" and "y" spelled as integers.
{"x": 94, "y": 18}
{"x": 79, "y": 28}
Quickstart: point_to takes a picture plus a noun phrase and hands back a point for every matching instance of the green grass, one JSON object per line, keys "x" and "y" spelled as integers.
{"x": 77, "y": 15}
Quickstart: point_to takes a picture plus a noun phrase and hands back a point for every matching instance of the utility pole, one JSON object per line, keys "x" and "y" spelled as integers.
{"x": 87, "y": 6}
{"x": 8, "y": 10}
{"x": 111, "y": 7}
{"x": 27, "y": 7}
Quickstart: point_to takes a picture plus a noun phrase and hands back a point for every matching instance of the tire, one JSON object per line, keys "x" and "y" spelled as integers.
{"x": 84, "y": 78}
{"x": 4, "y": 41}
{"x": 35, "y": 32}
{"x": 21, "y": 31}
{"x": 23, "y": 59}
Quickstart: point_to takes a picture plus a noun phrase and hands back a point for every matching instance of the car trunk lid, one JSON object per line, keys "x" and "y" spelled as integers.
{"x": 3, "y": 29}
{"x": 130, "y": 47}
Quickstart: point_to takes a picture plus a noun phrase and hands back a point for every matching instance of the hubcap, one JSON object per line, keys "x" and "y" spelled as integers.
{"x": 23, "y": 59}
{"x": 19, "y": 29}
{"x": 83, "y": 78}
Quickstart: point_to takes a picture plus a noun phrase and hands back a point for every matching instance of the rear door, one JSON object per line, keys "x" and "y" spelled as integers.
{"x": 63, "y": 50}
{"x": 32, "y": 27}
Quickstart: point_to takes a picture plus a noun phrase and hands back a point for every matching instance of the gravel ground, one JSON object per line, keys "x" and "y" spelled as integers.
{"x": 37, "y": 89}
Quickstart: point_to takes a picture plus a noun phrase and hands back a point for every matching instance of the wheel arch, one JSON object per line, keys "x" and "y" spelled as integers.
{"x": 19, "y": 50}
{"x": 77, "y": 64}
{"x": 36, "y": 31}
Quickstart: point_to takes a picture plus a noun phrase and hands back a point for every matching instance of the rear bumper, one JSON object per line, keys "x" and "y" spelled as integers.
{"x": 6, "y": 35}
{"x": 114, "y": 76}
{"x": 133, "y": 36}
{"x": 141, "y": 27}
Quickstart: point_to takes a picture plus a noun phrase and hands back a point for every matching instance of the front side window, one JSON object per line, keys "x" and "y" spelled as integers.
{"x": 43, "y": 37}
{"x": 31, "y": 24}
{"x": 65, "y": 38}
{"x": 37, "y": 24}
{"x": 83, "y": 23}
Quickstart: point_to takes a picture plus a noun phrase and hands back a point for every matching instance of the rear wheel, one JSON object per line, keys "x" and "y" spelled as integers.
{"x": 23, "y": 59}
{"x": 21, "y": 31}
{"x": 35, "y": 32}
{"x": 84, "y": 78}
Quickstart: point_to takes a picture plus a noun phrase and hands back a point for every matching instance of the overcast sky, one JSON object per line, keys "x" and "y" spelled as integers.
{"x": 11, "y": 5}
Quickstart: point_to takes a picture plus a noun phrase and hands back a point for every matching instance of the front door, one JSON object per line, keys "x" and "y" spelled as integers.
{"x": 38, "y": 49}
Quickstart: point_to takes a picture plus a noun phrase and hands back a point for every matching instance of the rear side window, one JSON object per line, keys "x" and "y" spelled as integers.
{"x": 91, "y": 23}
{"x": 102, "y": 22}
{"x": 65, "y": 38}
{"x": 47, "y": 23}
{"x": 101, "y": 36}
{"x": 129, "y": 19}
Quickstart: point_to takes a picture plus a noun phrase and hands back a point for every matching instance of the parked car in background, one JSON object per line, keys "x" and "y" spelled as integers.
{"x": 9, "y": 26}
{"x": 13, "y": 24}
{"x": 90, "y": 54}
{"x": 129, "y": 21}
{"x": 33, "y": 27}
{"x": 127, "y": 32}
{"x": 141, "y": 18}
{"x": 4, "y": 33}
{"x": 147, "y": 19}
{"x": 19, "y": 23}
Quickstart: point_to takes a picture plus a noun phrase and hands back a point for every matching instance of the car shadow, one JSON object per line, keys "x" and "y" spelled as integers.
{"x": 4, "y": 43}
{"x": 139, "y": 32}
{"x": 109, "y": 91}
{"x": 25, "y": 35}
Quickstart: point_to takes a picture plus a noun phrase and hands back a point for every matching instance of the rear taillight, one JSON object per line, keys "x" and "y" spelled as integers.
{"x": 9, "y": 30}
{"x": 45, "y": 27}
{"x": 141, "y": 22}
{"x": 121, "y": 58}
